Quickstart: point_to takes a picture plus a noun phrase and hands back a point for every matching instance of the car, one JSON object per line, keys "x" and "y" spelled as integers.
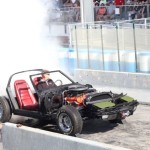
{"x": 66, "y": 102}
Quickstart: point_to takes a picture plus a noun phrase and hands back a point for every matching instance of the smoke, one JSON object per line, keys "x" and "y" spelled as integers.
{"x": 25, "y": 42}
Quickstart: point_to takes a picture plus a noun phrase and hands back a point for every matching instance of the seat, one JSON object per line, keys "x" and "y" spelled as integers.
{"x": 24, "y": 95}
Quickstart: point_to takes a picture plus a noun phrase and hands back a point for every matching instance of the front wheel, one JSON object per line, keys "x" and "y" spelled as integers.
{"x": 69, "y": 120}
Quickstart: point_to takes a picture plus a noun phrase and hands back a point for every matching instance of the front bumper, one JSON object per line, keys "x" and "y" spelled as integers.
{"x": 119, "y": 111}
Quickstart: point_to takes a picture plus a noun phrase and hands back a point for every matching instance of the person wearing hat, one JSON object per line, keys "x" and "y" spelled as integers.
{"x": 45, "y": 82}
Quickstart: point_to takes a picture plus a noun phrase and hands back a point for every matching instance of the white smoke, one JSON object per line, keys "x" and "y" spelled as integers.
{"x": 25, "y": 42}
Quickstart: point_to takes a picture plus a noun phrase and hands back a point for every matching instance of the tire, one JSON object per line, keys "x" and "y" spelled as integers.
{"x": 5, "y": 111}
{"x": 69, "y": 120}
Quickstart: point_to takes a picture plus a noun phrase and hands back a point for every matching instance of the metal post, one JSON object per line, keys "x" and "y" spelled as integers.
{"x": 147, "y": 6}
{"x": 89, "y": 67}
{"x": 70, "y": 35}
{"x": 145, "y": 23}
{"x": 118, "y": 47}
{"x": 77, "y": 46}
{"x": 134, "y": 38}
{"x": 101, "y": 27}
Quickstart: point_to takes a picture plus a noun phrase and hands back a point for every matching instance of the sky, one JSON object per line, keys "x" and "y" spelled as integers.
{"x": 25, "y": 42}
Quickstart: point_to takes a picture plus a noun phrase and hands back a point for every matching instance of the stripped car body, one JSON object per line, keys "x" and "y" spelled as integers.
{"x": 69, "y": 103}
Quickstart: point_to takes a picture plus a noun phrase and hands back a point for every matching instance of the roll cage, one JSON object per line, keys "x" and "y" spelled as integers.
{"x": 13, "y": 103}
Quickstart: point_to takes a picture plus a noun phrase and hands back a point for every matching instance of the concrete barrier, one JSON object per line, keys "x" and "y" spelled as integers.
{"x": 25, "y": 138}
{"x": 136, "y": 85}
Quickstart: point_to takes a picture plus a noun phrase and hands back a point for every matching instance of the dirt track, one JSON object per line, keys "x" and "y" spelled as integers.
{"x": 134, "y": 134}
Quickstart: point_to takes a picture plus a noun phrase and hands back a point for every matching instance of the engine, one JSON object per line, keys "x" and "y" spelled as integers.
{"x": 78, "y": 99}
{"x": 76, "y": 94}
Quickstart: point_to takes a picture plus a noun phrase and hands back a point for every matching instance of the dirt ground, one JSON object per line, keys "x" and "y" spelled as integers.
{"x": 133, "y": 134}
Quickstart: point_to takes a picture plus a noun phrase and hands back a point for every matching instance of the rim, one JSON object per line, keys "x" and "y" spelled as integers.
{"x": 65, "y": 123}
{"x": 1, "y": 111}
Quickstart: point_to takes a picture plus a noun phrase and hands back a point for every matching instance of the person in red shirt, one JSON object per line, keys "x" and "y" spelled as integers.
{"x": 102, "y": 11}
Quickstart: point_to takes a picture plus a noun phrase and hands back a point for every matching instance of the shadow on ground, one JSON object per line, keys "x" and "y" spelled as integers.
{"x": 96, "y": 126}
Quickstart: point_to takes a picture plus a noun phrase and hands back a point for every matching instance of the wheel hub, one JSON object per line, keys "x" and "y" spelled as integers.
{"x": 65, "y": 122}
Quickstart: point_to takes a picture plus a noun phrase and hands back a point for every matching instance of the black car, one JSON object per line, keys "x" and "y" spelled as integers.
{"x": 66, "y": 102}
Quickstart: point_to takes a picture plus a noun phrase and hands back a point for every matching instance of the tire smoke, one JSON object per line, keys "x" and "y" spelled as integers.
{"x": 24, "y": 37}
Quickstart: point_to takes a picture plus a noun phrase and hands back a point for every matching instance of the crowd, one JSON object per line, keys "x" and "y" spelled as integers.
{"x": 65, "y": 3}
{"x": 105, "y": 10}
{"x": 69, "y": 10}
{"x": 137, "y": 9}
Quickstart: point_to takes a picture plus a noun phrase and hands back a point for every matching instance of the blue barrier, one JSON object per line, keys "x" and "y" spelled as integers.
{"x": 83, "y": 59}
{"x": 68, "y": 60}
{"x": 111, "y": 60}
{"x": 96, "y": 60}
{"x": 144, "y": 62}
{"x": 72, "y": 56}
{"x": 63, "y": 59}
{"x": 128, "y": 63}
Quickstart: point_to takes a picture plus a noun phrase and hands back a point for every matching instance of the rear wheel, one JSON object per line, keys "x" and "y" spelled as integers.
{"x": 69, "y": 120}
{"x": 5, "y": 111}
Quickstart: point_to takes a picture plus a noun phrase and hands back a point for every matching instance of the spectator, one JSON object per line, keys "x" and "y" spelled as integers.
{"x": 143, "y": 10}
{"x": 96, "y": 3}
{"x": 74, "y": 1}
{"x": 101, "y": 12}
{"x": 132, "y": 10}
{"x": 67, "y": 3}
{"x": 110, "y": 10}
{"x": 77, "y": 16}
{"x": 137, "y": 10}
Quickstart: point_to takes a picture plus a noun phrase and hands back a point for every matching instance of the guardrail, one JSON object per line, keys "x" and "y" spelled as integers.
{"x": 34, "y": 139}
{"x": 136, "y": 85}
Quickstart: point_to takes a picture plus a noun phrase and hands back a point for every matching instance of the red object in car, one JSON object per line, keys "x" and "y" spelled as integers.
{"x": 78, "y": 99}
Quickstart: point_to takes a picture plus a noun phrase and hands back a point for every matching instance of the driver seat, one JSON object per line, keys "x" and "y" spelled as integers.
{"x": 24, "y": 95}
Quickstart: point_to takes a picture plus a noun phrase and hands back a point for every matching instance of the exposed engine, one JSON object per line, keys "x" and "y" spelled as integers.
{"x": 77, "y": 94}
{"x": 78, "y": 99}
{"x": 80, "y": 95}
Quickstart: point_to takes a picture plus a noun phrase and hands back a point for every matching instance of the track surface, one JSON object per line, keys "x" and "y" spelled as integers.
{"x": 133, "y": 134}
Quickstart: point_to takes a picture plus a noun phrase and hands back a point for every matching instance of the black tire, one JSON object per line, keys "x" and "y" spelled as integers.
{"x": 5, "y": 111}
{"x": 69, "y": 120}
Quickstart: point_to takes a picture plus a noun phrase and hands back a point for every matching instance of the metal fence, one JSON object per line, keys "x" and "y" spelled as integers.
{"x": 113, "y": 46}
